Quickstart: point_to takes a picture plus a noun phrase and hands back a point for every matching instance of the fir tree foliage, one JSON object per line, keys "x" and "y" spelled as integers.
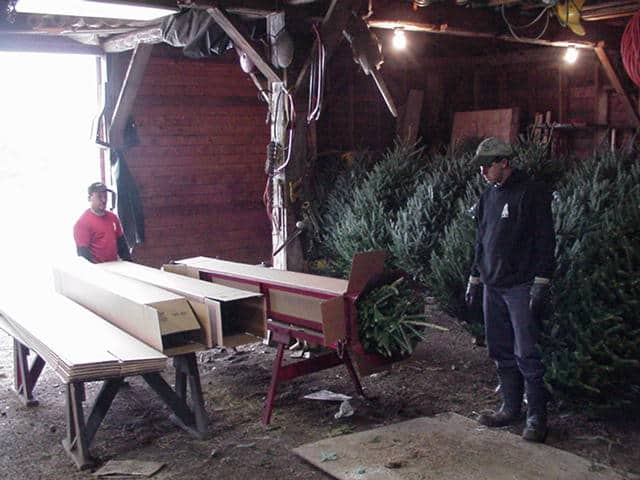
{"x": 450, "y": 262}
{"x": 358, "y": 214}
{"x": 391, "y": 319}
{"x": 425, "y": 218}
{"x": 336, "y": 176}
{"x": 592, "y": 351}
{"x": 419, "y": 226}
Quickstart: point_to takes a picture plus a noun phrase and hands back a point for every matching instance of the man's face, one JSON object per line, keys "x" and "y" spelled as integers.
{"x": 98, "y": 201}
{"x": 495, "y": 172}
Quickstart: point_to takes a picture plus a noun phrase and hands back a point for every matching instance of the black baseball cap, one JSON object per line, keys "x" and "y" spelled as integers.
{"x": 97, "y": 187}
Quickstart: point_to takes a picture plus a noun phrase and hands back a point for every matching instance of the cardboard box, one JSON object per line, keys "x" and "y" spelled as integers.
{"x": 227, "y": 316}
{"x": 307, "y": 301}
{"x": 161, "y": 319}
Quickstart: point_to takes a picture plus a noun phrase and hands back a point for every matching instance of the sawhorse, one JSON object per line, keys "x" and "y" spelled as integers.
{"x": 190, "y": 416}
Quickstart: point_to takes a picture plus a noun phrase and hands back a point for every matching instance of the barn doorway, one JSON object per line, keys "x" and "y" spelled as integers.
{"x": 47, "y": 157}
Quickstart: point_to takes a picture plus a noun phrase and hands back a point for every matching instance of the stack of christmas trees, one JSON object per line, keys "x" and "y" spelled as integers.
{"x": 420, "y": 207}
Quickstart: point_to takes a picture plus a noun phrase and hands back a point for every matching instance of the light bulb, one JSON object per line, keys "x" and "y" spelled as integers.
{"x": 571, "y": 55}
{"x": 399, "y": 39}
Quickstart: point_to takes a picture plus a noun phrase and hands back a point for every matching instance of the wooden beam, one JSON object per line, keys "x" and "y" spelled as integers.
{"x": 129, "y": 41}
{"x": 612, "y": 75}
{"x": 242, "y": 41}
{"x": 45, "y": 43}
{"x": 601, "y": 107}
{"x": 128, "y": 92}
{"x": 608, "y": 10}
{"x": 563, "y": 97}
{"x": 445, "y": 29}
{"x": 499, "y": 3}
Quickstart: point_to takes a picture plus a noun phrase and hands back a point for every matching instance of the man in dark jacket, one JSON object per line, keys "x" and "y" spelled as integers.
{"x": 514, "y": 259}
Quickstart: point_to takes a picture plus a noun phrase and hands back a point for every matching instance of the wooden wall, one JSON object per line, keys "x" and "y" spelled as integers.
{"x": 534, "y": 79}
{"x": 199, "y": 163}
{"x": 353, "y": 114}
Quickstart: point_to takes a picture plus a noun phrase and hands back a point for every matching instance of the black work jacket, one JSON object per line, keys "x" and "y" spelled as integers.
{"x": 515, "y": 239}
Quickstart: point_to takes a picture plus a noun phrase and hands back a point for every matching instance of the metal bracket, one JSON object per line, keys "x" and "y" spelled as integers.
{"x": 80, "y": 433}
{"x": 25, "y": 375}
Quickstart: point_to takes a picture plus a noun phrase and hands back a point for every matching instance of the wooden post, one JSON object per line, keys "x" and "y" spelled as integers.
{"x": 601, "y": 111}
{"x": 477, "y": 88}
{"x": 133, "y": 80}
{"x": 562, "y": 95}
{"x": 331, "y": 29}
{"x": 278, "y": 181}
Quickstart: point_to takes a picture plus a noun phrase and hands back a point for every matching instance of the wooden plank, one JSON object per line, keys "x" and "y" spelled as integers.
{"x": 612, "y": 75}
{"x": 104, "y": 350}
{"x": 563, "y": 98}
{"x": 128, "y": 92}
{"x": 447, "y": 446}
{"x": 502, "y": 123}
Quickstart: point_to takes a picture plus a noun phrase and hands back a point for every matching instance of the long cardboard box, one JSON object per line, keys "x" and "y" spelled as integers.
{"x": 228, "y": 316}
{"x": 161, "y": 319}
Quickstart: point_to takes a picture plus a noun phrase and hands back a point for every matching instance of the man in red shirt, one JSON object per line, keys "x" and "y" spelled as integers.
{"x": 98, "y": 232}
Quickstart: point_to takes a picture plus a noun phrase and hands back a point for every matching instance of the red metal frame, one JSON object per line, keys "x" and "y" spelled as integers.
{"x": 292, "y": 327}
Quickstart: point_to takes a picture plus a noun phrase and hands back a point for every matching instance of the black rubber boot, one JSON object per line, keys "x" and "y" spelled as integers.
{"x": 511, "y": 389}
{"x": 536, "y": 427}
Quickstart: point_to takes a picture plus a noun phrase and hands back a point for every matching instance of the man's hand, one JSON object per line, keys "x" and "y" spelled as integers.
{"x": 471, "y": 294}
{"x": 539, "y": 295}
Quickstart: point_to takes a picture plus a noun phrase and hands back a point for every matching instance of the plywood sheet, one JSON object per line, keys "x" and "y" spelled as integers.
{"x": 447, "y": 446}
{"x": 503, "y": 123}
{"x": 76, "y": 343}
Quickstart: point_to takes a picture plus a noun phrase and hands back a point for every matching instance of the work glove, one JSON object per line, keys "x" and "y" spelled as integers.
{"x": 539, "y": 300}
{"x": 473, "y": 291}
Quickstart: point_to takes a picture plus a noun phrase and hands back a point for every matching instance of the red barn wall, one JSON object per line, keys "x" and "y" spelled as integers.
{"x": 353, "y": 115}
{"x": 199, "y": 164}
{"x": 535, "y": 80}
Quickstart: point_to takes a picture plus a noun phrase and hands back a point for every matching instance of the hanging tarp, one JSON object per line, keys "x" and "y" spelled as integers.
{"x": 129, "y": 203}
{"x": 196, "y": 32}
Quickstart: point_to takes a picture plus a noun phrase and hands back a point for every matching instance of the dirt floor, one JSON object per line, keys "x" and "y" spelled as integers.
{"x": 447, "y": 373}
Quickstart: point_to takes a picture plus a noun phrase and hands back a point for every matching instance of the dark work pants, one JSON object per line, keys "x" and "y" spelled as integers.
{"x": 512, "y": 331}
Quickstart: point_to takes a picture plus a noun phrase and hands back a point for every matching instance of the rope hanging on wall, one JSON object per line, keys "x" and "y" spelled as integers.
{"x": 630, "y": 48}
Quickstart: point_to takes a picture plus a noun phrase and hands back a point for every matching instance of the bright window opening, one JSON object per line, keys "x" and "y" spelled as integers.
{"x": 47, "y": 158}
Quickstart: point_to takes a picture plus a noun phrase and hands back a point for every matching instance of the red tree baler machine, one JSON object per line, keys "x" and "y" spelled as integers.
{"x": 320, "y": 310}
